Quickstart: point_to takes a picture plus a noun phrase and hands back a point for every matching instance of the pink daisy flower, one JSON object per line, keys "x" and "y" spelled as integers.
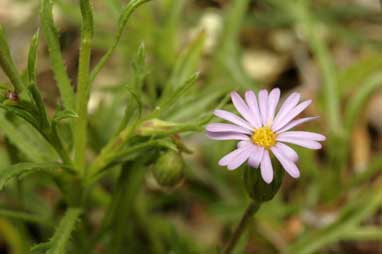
{"x": 261, "y": 131}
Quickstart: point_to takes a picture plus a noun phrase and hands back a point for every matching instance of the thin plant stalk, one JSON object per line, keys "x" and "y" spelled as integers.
{"x": 245, "y": 219}
{"x": 80, "y": 131}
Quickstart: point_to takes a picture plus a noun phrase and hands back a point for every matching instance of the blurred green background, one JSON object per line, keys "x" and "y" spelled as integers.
{"x": 329, "y": 51}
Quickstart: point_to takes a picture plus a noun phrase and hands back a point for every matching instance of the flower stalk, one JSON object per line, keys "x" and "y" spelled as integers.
{"x": 245, "y": 219}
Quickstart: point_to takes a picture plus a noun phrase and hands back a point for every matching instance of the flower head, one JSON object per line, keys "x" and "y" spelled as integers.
{"x": 262, "y": 132}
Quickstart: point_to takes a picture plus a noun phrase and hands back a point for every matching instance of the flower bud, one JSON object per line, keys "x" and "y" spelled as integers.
{"x": 168, "y": 169}
{"x": 154, "y": 127}
{"x": 257, "y": 188}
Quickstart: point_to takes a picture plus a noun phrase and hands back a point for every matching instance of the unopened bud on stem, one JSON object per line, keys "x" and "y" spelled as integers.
{"x": 255, "y": 186}
{"x": 169, "y": 169}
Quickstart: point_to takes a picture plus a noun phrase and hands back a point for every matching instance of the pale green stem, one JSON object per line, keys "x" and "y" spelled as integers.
{"x": 83, "y": 86}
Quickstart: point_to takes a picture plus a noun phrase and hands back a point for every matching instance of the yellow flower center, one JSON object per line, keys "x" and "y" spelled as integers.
{"x": 264, "y": 137}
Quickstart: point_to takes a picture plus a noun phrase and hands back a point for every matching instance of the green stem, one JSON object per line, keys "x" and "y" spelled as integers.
{"x": 122, "y": 203}
{"x": 109, "y": 152}
{"x": 83, "y": 86}
{"x": 251, "y": 209}
{"x": 122, "y": 155}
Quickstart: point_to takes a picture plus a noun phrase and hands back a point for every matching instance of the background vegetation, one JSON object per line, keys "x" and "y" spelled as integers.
{"x": 176, "y": 60}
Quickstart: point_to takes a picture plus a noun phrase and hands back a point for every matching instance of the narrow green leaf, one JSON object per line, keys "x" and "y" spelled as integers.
{"x": 168, "y": 32}
{"x": 7, "y": 64}
{"x": 40, "y": 248}
{"x": 140, "y": 68}
{"x": 134, "y": 103}
{"x": 64, "y": 114}
{"x": 123, "y": 19}
{"x": 56, "y": 58}
{"x": 135, "y": 90}
{"x": 32, "y": 60}
{"x": 186, "y": 65}
{"x": 26, "y": 138}
{"x": 29, "y": 115}
{"x": 227, "y": 57}
{"x": 169, "y": 100}
{"x": 350, "y": 77}
{"x": 351, "y": 216}
{"x": 23, "y": 216}
{"x": 328, "y": 68}
{"x": 58, "y": 243}
{"x": 199, "y": 104}
{"x": 356, "y": 102}
{"x": 19, "y": 111}
{"x": 21, "y": 170}
{"x": 366, "y": 233}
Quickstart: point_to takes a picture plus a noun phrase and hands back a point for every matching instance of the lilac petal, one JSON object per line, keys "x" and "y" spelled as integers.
{"x": 302, "y": 135}
{"x": 242, "y": 108}
{"x": 287, "y": 106}
{"x": 263, "y": 103}
{"x": 266, "y": 167}
{"x": 226, "y": 136}
{"x": 225, "y": 127}
{"x": 237, "y": 157}
{"x": 243, "y": 143}
{"x": 273, "y": 100}
{"x": 292, "y": 114}
{"x": 301, "y": 142}
{"x": 297, "y": 122}
{"x": 255, "y": 158}
{"x": 251, "y": 100}
{"x": 239, "y": 160}
{"x": 289, "y": 152}
{"x": 288, "y": 165}
{"x": 232, "y": 118}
